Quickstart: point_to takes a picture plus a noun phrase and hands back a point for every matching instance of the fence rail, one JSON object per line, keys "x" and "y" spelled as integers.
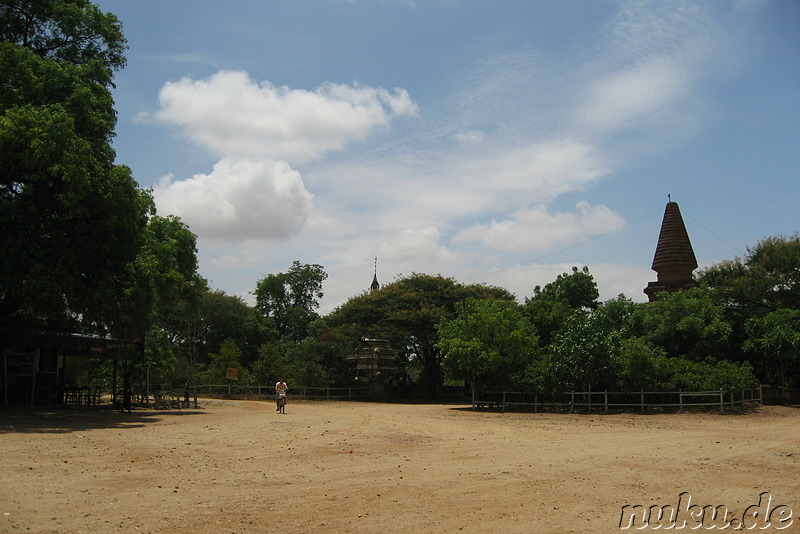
{"x": 298, "y": 392}
{"x": 605, "y": 400}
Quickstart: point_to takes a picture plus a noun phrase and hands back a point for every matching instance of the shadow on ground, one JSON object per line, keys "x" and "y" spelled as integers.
{"x": 66, "y": 420}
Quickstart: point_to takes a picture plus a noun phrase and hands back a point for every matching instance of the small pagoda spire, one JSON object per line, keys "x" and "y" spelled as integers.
{"x": 674, "y": 259}
{"x": 375, "y": 285}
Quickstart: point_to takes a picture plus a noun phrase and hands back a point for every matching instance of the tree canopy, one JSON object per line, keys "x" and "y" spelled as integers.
{"x": 406, "y": 312}
{"x": 73, "y": 220}
{"x": 489, "y": 341}
{"x": 289, "y": 300}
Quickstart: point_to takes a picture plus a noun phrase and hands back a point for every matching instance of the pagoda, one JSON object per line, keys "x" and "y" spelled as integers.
{"x": 674, "y": 259}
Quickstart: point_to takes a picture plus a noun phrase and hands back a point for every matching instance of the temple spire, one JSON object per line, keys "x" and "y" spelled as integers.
{"x": 375, "y": 285}
{"x": 674, "y": 259}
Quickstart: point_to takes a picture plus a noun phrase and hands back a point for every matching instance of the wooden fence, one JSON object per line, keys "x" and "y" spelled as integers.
{"x": 297, "y": 392}
{"x": 621, "y": 401}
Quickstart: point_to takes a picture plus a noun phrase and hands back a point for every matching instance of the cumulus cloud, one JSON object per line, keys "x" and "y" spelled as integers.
{"x": 236, "y": 117}
{"x": 536, "y": 229}
{"x": 256, "y": 128}
{"x": 239, "y": 199}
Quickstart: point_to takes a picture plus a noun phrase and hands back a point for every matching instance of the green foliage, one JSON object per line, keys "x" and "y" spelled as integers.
{"x": 582, "y": 355}
{"x": 72, "y": 220}
{"x": 551, "y": 305}
{"x": 229, "y": 356}
{"x": 272, "y": 365}
{"x": 222, "y": 317}
{"x": 685, "y": 324}
{"x": 767, "y": 279}
{"x": 776, "y": 339}
{"x": 72, "y": 31}
{"x": 289, "y": 300}
{"x": 406, "y": 313}
{"x": 641, "y": 366}
{"x": 706, "y": 376}
{"x": 489, "y": 342}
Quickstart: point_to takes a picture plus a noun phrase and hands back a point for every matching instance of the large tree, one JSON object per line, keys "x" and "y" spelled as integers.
{"x": 765, "y": 280}
{"x": 290, "y": 300}
{"x": 490, "y": 342}
{"x": 72, "y": 220}
{"x": 406, "y": 312}
{"x": 686, "y": 324}
{"x": 775, "y": 338}
{"x": 552, "y": 304}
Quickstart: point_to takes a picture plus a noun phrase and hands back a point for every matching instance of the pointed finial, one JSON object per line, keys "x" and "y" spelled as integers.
{"x": 669, "y": 197}
{"x": 375, "y": 285}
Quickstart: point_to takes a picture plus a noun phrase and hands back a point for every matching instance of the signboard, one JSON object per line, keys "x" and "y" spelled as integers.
{"x": 21, "y": 363}
{"x": 232, "y": 373}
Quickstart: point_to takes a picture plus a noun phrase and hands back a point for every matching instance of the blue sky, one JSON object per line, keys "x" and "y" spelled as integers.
{"x": 493, "y": 142}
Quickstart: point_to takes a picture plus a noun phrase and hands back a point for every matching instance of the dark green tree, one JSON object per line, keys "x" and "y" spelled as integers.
{"x": 549, "y": 307}
{"x": 686, "y": 324}
{"x": 289, "y": 300}
{"x": 582, "y": 356}
{"x": 775, "y": 338}
{"x": 765, "y": 280}
{"x": 489, "y": 343}
{"x": 406, "y": 312}
{"x": 72, "y": 220}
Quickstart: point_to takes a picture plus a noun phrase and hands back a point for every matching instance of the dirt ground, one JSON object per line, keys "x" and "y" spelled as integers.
{"x": 238, "y": 466}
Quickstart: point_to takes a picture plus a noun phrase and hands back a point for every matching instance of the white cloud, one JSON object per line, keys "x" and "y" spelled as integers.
{"x": 239, "y": 200}
{"x": 628, "y": 98}
{"x": 414, "y": 246}
{"x": 612, "y": 279}
{"x": 235, "y": 117}
{"x": 536, "y": 229}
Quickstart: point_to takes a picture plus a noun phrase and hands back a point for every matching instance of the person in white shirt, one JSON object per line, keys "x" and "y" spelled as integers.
{"x": 280, "y": 391}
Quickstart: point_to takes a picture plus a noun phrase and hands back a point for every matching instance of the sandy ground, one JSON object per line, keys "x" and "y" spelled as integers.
{"x": 238, "y": 466}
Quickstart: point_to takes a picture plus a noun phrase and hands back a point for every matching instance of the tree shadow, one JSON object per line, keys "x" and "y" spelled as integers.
{"x": 66, "y": 420}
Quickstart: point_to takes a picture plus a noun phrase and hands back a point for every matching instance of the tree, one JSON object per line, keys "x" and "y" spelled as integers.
{"x": 489, "y": 342}
{"x": 289, "y": 300}
{"x": 776, "y": 336}
{"x": 73, "y": 221}
{"x": 551, "y": 305}
{"x": 583, "y": 355}
{"x": 72, "y": 31}
{"x": 222, "y": 316}
{"x": 406, "y": 312}
{"x": 765, "y": 280}
{"x": 686, "y": 324}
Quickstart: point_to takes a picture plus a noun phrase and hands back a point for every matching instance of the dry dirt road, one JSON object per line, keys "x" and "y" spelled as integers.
{"x": 333, "y": 467}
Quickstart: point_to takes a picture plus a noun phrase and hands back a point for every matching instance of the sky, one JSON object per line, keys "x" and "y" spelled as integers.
{"x": 496, "y": 143}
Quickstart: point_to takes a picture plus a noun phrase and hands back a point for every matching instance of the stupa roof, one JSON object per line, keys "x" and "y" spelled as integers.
{"x": 674, "y": 248}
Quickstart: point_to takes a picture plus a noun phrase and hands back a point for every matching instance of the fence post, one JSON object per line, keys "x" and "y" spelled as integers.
{"x": 504, "y": 402}
{"x": 721, "y": 401}
{"x": 641, "y": 397}
{"x": 535, "y": 402}
{"x": 572, "y": 402}
{"x": 605, "y": 395}
{"x": 590, "y": 399}
{"x": 680, "y": 397}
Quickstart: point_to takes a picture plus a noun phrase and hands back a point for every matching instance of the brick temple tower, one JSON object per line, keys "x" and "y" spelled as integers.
{"x": 674, "y": 260}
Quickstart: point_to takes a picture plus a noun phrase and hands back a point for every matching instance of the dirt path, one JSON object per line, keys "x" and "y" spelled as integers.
{"x": 237, "y": 466}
